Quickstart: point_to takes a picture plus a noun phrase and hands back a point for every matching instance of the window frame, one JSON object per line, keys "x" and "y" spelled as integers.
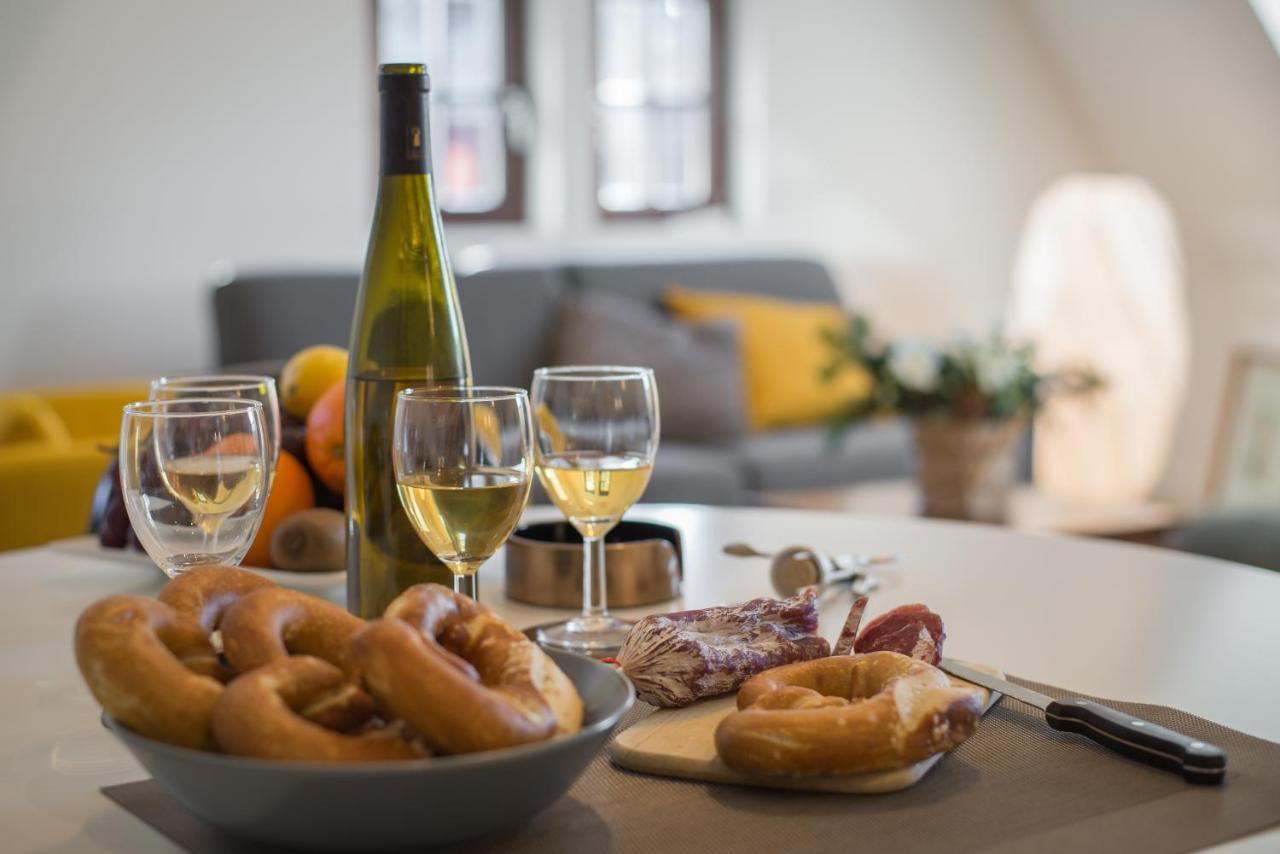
{"x": 515, "y": 77}
{"x": 716, "y": 100}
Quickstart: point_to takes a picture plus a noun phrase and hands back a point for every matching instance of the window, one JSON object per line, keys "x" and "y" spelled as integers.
{"x": 659, "y": 96}
{"x": 474, "y": 53}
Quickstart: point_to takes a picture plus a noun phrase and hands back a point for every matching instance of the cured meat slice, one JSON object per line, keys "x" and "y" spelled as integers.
{"x": 844, "y": 645}
{"x": 674, "y": 659}
{"x": 912, "y": 630}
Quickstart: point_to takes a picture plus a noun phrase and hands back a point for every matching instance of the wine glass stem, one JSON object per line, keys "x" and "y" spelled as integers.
{"x": 595, "y": 598}
{"x": 466, "y": 584}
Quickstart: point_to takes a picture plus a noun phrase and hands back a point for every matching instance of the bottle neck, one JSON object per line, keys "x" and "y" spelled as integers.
{"x": 406, "y": 133}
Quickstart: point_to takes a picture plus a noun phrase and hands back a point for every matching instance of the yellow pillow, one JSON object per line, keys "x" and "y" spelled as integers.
{"x": 24, "y": 417}
{"x": 783, "y": 354}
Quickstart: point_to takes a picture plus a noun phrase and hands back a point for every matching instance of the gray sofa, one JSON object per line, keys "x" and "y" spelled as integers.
{"x": 511, "y": 314}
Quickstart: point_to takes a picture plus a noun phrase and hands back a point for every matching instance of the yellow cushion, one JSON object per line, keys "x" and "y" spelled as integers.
{"x": 783, "y": 353}
{"x": 93, "y": 411}
{"x": 25, "y": 417}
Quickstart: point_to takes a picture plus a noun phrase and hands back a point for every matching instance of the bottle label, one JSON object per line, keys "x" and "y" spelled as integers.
{"x": 406, "y": 136}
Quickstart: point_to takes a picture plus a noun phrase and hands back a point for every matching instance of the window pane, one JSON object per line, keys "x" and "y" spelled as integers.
{"x": 468, "y": 140}
{"x": 473, "y": 66}
{"x": 678, "y": 63}
{"x": 680, "y": 159}
{"x": 623, "y": 136}
{"x": 620, "y": 52}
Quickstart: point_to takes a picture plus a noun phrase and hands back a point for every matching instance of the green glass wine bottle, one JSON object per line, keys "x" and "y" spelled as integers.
{"x": 407, "y": 333}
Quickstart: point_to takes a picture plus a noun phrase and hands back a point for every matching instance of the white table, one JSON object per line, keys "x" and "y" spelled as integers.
{"x": 1112, "y": 619}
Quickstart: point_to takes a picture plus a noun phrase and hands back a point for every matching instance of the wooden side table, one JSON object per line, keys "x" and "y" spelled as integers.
{"x": 1142, "y": 522}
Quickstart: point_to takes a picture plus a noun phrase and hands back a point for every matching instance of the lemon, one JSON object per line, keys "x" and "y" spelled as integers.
{"x": 308, "y": 375}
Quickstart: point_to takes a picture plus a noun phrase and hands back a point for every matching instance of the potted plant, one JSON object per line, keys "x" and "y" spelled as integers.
{"x": 969, "y": 403}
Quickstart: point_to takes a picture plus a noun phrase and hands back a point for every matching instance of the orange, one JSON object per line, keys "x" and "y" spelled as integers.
{"x": 291, "y": 491}
{"x": 234, "y": 443}
{"x": 325, "y": 450}
{"x": 309, "y": 374}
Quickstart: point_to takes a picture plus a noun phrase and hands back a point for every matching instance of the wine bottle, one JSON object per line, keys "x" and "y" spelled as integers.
{"x": 407, "y": 333}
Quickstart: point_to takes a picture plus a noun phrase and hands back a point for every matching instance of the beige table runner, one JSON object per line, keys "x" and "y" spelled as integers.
{"x": 1016, "y": 785}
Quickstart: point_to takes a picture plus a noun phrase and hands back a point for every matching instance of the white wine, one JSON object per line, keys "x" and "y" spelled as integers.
{"x": 407, "y": 332}
{"x": 592, "y": 489}
{"x": 464, "y": 516}
{"x": 210, "y": 485}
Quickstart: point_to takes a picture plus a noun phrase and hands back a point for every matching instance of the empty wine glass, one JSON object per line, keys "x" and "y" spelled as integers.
{"x": 193, "y": 476}
{"x": 238, "y": 386}
{"x": 463, "y": 460}
{"x": 597, "y": 431}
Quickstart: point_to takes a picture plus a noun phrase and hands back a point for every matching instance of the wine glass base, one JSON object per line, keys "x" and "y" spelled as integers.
{"x": 592, "y": 635}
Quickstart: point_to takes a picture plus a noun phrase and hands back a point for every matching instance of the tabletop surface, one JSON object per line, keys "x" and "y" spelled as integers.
{"x": 1109, "y": 619}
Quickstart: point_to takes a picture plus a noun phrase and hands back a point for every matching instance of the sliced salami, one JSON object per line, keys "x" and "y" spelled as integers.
{"x": 912, "y": 630}
{"x": 674, "y": 659}
{"x": 849, "y": 633}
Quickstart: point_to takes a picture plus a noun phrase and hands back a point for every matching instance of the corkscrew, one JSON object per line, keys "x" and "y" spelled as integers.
{"x": 797, "y": 567}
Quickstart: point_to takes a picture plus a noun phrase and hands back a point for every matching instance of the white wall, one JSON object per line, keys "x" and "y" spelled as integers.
{"x": 142, "y": 141}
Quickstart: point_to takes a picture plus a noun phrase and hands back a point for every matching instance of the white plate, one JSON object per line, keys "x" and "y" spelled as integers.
{"x": 311, "y": 582}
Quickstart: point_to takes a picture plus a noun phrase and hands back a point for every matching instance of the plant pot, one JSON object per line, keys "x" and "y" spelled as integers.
{"x": 966, "y": 468}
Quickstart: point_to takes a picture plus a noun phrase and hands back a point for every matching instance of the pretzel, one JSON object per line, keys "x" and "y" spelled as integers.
{"x": 150, "y": 667}
{"x": 846, "y": 714}
{"x": 273, "y": 623}
{"x": 204, "y": 593}
{"x": 264, "y": 714}
{"x": 460, "y": 676}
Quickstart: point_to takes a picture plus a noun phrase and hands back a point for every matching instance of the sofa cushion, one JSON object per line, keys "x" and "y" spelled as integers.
{"x": 784, "y": 354}
{"x": 510, "y": 314}
{"x": 695, "y": 474}
{"x": 698, "y": 367}
{"x": 808, "y": 459}
{"x": 273, "y": 316}
{"x": 789, "y": 278}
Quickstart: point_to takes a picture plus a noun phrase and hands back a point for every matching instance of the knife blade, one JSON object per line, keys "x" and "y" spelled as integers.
{"x": 1195, "y": 760}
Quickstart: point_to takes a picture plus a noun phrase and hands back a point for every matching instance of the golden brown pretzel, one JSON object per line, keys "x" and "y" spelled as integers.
{"x": 846, "y": 714}
{"x": 270, "y": 624}
{"x": 506, "y": 692}
{"x": 205, "y": 592}
{"x": 264, "y": 714}
{"x": 150, "y": 668}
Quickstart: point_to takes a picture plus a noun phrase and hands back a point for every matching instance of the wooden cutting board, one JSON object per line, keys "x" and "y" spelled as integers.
{"x": 681, "y": 743}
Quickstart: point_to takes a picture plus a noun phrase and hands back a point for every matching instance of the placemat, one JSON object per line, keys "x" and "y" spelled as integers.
{"x": 1016, "y": 785}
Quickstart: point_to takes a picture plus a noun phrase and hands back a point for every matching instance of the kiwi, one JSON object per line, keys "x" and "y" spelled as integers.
{"x": 312, "y": 540}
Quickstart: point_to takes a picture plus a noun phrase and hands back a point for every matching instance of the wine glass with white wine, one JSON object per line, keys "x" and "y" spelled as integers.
{"x": 597, "y": 431}
{"x": 194, "y": 476}
{"x": 238, "y": 386}
{"x": 463, "y": 458}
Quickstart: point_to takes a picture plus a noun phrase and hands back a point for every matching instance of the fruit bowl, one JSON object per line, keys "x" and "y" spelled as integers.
{"x": 382, "y": 805}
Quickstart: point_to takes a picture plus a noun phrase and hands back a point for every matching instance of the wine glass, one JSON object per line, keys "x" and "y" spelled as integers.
{"x": 597, "y": 430}
{"x": 463, "y": 460}
{"x": 192, "y": 473}
{"x": 239, "y": 386}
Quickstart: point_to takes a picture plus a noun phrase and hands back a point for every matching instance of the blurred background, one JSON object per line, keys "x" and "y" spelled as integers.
{"x": 1052, "y": 170}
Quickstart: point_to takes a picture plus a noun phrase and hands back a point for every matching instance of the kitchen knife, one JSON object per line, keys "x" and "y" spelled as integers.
{"x": 1195, "y": 760}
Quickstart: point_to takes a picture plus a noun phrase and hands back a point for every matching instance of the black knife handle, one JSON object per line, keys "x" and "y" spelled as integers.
{"x": 1196, "y": 761}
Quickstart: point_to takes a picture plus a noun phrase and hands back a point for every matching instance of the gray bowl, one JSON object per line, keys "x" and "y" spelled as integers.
{"x": 361, "y": 806}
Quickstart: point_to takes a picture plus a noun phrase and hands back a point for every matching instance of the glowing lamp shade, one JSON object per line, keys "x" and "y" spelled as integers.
{"x": 1098, "y": 282}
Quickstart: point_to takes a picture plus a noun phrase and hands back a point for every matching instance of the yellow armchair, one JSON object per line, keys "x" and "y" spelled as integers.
{"x": 51, "y": 458}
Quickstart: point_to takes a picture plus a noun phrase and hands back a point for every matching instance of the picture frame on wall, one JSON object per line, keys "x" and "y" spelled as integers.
{"x": 1246, "y": 460}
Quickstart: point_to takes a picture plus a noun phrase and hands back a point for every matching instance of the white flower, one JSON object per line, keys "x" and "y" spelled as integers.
{"x": 995, "y": 368}
{"x": 915, "y": 366}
